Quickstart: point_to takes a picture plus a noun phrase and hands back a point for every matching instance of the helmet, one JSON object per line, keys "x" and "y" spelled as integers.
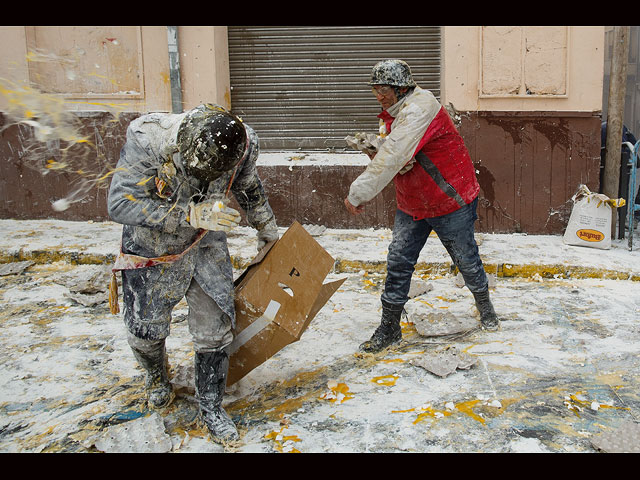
{"x": 211, "y": 141}
{"x": 392, "y": 72}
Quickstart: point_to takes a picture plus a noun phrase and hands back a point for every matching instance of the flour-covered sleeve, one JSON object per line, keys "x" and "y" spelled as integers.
{"x": 248, "y": 190}
{"x": 408, "y": 128}
{"x": 133, "y": 195}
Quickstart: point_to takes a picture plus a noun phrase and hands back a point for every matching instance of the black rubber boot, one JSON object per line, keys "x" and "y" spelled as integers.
{"x": 211, "y": 379}
{"x": 488, "y": 317}
{"x": 388, "y": 332}
{"x": 159, "y": 391}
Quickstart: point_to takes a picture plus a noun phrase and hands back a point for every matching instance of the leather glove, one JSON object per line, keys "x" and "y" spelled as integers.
{"x": 213, "y": 215}
{"x": 268, "y": 234}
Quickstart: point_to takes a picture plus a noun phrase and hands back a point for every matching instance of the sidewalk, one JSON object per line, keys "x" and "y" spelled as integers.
{"x": 504, "y": 255}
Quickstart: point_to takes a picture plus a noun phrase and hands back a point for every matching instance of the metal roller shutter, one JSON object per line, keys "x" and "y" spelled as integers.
{"x": 305, "y": 87}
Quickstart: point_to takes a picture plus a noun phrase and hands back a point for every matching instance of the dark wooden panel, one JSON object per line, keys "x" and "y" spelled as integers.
{"x": 528, "y": 167}
{"x": 315, "y": 195}
{"x": 28, "y": 187}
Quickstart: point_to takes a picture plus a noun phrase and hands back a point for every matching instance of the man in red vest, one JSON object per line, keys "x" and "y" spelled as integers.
{"x": 436, "y": 189}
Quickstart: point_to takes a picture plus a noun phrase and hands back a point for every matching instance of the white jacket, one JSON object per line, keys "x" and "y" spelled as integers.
{"x": 412, "y": 114}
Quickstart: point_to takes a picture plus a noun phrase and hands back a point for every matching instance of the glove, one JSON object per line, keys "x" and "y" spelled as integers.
{"x": 213, "y": 215}
{"x": 268, "y": 234}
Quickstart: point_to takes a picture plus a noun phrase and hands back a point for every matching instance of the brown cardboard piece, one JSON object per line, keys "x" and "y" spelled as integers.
{"x": 276, "y": 298}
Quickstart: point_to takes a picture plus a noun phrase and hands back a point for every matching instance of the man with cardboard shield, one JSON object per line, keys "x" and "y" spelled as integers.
{"x": 170, "y": 191}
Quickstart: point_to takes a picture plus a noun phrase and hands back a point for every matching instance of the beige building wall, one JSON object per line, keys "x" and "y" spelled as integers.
{"x": 503, "y": 68}
{"x": 112, "y": 68}
{"x": 523, "y": 68}
{"x": 204, "y": 61}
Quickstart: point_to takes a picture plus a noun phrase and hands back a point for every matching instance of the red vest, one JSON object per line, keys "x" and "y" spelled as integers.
{"x": 451, "y": 181}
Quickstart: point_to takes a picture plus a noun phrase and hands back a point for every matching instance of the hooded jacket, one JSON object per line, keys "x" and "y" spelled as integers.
{"x": 150, "y": 195}
{"x": 424, "y": 155}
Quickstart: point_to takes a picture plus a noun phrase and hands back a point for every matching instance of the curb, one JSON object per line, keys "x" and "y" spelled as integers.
{"x": 500, "y": 270}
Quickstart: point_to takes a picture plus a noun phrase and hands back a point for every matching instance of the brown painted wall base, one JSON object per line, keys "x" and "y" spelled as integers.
{"x": 34, "y": 174}
{"x": 528, "y": 165}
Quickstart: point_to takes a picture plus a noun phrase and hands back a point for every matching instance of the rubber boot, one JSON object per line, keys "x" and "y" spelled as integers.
{"x": 159, "y": 391}
{"x": 488, "y": 317}
{"x": 211, "y": 379}
{"x": 388, "y": 332}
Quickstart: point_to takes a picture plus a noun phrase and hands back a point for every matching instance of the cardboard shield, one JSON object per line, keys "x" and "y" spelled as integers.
{"x": 276, "y": 298}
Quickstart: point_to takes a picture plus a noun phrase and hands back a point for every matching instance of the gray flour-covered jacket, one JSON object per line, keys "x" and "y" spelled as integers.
{"x": 150, "y": 196}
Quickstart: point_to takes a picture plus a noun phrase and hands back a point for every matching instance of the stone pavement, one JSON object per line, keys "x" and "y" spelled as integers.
{"x": 561, "y": 375}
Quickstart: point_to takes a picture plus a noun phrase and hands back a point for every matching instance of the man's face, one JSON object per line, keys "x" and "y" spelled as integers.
{"x": 386, "y": 95}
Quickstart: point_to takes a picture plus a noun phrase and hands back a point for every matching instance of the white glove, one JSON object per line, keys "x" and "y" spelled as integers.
{"x": 268, "y": 234}
{"x": 213, "y": 215}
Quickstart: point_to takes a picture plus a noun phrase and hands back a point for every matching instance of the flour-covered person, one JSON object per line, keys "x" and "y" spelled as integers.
{"x": 169, "y": 191}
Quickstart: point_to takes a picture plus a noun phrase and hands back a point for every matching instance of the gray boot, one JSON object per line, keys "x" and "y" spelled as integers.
{"x": 388, "y": 332}
{"x": 211, "y": 379}
{"x": 154, "y": 361}
{"x": 488, "y": 317}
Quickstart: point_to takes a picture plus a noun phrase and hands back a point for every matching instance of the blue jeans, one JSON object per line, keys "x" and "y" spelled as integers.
{"x": 455, "y": 230}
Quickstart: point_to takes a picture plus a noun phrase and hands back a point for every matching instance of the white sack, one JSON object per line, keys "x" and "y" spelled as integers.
{"x": 590, "y": 221}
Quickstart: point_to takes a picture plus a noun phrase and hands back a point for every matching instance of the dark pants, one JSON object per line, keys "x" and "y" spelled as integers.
{"x": 455, "y": 230}
{"x": 210, "y": 327}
